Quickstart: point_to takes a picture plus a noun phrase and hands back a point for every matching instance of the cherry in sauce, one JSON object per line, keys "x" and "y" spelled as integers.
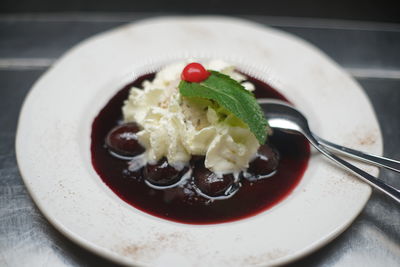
{"x": 210, "y": 183}
{"x": 182, "y": 204}
{"x": 265, "y": 164}
{"x": 161, "y": 173}
{"x": 122, "y": 140}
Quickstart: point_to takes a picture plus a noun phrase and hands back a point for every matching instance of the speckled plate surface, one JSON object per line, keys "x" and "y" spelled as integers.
{"x": 53, "y": 145}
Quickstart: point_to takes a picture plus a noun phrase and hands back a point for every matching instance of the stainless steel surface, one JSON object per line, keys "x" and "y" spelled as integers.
{"x": 285, "y": 117}
{"x": 390, "y": 164}
{"x": 30, "y": 43}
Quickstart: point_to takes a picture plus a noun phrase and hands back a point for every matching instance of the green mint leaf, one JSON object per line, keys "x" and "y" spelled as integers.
{"x": 231, "y": 95}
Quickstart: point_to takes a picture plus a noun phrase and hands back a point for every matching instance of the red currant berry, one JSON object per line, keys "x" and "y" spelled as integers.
{"x": 194, "y": 72}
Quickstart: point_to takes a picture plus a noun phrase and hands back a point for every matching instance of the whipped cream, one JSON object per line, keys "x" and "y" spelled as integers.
{"x": 176, "y": 127}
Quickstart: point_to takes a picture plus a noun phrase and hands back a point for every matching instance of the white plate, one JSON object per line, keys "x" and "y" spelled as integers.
{"x": 54, "y": 136}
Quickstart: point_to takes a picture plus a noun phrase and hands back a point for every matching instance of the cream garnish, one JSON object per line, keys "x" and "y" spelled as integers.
{"x": 177, "y": 128}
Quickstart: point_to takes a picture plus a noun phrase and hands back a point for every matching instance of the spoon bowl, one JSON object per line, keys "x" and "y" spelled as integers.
{"x": 283, "y": 116}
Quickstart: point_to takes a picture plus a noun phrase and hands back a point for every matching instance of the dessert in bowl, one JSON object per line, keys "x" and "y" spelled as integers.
{"x": 190, "y": 144}
{"x": 55, "y": 152}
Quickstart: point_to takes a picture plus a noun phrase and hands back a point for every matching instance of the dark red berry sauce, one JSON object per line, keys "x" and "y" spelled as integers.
{"x": 183, "y": 204}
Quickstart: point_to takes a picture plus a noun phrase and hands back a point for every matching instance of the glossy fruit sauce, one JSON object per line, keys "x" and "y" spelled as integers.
{"x": 183, "y": 204}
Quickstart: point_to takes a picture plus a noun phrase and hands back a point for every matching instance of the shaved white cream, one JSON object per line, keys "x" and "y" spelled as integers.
{"x": 176, "y": 127}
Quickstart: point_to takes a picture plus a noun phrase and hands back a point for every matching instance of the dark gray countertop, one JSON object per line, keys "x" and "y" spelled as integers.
{"x": 29, "y": 44}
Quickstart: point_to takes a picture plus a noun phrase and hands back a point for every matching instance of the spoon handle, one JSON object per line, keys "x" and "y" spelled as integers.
{"x": 391, "y": 164}
{"x": 366, "y": 177}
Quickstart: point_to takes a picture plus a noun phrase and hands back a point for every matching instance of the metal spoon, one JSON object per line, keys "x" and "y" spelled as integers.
{"x": 391, "y": 164}
{"x": 283, "y": 116}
